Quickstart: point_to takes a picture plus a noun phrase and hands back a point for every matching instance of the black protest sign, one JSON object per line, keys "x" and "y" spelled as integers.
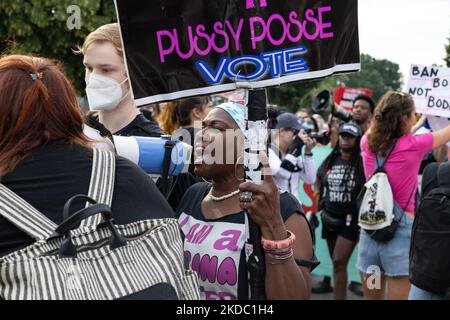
{"x": 182, "y": 48}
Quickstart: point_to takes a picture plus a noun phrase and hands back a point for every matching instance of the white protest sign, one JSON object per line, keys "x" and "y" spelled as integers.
{"x": 430, "y": 88}
{"x": 437, "y": 123}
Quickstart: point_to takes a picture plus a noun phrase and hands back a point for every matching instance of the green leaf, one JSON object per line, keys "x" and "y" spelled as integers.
{"x": 39, "y": 28}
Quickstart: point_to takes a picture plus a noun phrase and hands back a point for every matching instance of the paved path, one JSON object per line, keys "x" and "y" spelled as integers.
{"x": 329, "y": 296}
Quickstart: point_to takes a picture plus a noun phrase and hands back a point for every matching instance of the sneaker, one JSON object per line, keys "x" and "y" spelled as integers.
{"x": 356, "y": 288}
{"x": 323, "y": 286}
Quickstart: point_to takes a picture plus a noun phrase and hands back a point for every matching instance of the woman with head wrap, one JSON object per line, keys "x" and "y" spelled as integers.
{"x": 213, "y": 217}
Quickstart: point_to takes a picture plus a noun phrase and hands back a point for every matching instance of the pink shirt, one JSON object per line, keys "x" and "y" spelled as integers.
{"x": 402, "y": 166}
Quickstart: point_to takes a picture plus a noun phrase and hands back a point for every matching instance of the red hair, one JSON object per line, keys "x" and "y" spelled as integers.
{"x": 38, "y": 105}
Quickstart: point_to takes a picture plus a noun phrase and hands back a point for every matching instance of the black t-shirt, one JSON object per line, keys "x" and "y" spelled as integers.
{"x": 428, "y": 159}
{"x": 341, "y": 187}
{"x": 140, "y": 127}
{"x": 50, "y": 176}
{"x": 183, "y": 182}
{"x": 216, "y": 248}
{"x": 148, "y": 115}
{"x": 178, "y": 187}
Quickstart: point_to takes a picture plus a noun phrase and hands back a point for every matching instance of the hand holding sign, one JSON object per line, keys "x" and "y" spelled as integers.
{"x": 265, "y": 205}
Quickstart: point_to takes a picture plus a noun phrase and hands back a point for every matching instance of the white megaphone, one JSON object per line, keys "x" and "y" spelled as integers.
{"x": 150, "y": 153}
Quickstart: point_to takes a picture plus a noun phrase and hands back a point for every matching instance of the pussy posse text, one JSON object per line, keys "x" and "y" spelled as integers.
{"x": 223, "y": 37}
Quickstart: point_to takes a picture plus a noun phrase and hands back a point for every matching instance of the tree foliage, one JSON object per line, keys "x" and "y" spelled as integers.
{"x": 447, "y": 54}
{"x": 292, "y": 95}
{"x": 377, "y": 75}
{"x": 40, "y": 28}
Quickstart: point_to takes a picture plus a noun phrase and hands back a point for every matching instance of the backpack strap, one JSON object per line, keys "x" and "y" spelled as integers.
{"x": 28, "y": 219}
{"x": 102, "y": 183}
{"x": 24, "y": 216}
{"x": 380, "y": 160}
{"x": 443, "y": 175}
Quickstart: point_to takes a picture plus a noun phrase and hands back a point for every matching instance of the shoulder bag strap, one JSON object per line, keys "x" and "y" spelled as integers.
{"x": 24, "y": 216}
{"x": 102, "y": 183}
{"x": 407, "y": 204}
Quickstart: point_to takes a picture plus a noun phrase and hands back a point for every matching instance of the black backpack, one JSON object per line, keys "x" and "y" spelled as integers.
{"x": 430, "y": 240}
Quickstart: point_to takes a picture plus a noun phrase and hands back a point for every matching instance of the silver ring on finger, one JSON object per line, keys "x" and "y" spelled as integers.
{"x": 246, "y": 197}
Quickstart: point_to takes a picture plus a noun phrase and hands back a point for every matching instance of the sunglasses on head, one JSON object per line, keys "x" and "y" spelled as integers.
{"x": 403, "y": 97}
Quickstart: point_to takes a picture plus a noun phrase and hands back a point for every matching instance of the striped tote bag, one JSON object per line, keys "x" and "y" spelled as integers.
{"x": 87, "y": 257}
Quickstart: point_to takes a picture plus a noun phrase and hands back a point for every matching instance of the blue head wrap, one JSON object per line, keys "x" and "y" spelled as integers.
{"x": 236, "y": 111}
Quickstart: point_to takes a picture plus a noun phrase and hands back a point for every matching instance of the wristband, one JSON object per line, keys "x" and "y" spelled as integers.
{"x": 269, "y": 245}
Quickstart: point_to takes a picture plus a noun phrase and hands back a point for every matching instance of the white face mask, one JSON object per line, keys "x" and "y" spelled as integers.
{"x": 103, "y": 93}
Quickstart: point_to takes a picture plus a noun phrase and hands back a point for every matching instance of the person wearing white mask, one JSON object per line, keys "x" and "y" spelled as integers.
{"x": 113, "y": 111}
{"x": 108, "y": 87}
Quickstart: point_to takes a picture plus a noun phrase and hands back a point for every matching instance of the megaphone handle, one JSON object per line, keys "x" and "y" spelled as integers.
{"x": 169, "y": 146}
{"x": 333, "y": 131}
{"x": 334, "y": 108}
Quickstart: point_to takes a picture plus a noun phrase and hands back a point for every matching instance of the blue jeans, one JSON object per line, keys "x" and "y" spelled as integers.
{"x": 419, "y": 294}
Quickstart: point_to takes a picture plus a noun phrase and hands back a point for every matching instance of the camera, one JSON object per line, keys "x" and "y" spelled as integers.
{"x": 343, "y": 115}
{"x": 322, "y": 137}
{"x": 322, "y": 102}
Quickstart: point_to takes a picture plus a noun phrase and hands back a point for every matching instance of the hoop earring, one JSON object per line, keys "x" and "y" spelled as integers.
{"x": 235, "y": 167}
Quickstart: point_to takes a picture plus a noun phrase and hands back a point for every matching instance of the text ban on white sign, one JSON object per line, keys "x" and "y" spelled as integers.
{"x": 430, "y": 88}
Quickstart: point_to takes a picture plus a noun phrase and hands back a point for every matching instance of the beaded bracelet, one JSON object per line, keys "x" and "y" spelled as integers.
{"x": 281, "y": 244}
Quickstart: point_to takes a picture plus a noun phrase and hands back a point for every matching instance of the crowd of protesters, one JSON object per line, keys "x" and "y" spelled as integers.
{"x": 46, "y": 156}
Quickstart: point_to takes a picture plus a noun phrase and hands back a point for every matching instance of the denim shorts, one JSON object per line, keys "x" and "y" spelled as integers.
{"x": 390, "y": 258}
